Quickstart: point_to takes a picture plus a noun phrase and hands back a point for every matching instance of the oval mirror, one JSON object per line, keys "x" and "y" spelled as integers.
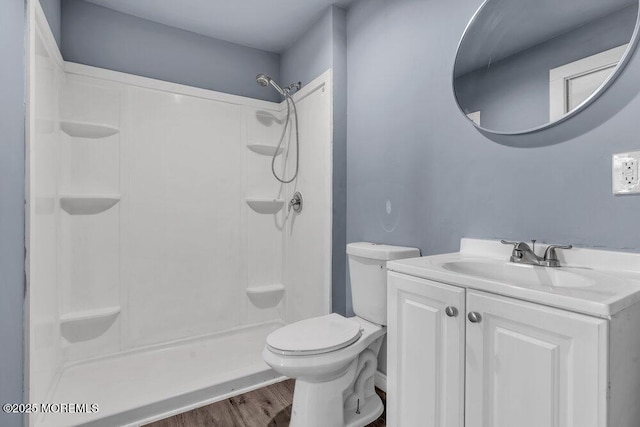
{"x": 525, "y": 65}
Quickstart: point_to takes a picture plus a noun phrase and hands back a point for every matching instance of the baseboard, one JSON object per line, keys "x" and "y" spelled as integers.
{"x": 380, "y": 380}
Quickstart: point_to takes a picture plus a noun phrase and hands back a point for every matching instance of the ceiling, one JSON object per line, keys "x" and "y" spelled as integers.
{"x": 271, "y": 25}
{"x": 505, "y": 27}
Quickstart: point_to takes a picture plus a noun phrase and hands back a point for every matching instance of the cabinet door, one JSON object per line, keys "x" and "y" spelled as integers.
{"x": 425, "y": 365}
{"x": 529, "y": 365}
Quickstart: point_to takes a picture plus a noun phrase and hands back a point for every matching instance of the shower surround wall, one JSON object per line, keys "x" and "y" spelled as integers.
{"x": 45, "y": 78}
{"x": 159, "y": 235}
{"x": 101, "y": 37}
{"x": 323, "y": 46}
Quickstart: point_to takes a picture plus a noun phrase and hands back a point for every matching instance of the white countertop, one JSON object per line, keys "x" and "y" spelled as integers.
{"x": 595, "y": 282}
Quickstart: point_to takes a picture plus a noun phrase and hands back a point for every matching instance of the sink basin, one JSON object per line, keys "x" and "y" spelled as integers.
{"x": 523, "y": 275}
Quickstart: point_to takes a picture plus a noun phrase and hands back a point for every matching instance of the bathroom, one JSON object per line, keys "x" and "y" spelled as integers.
{"x": 153, "y": 261}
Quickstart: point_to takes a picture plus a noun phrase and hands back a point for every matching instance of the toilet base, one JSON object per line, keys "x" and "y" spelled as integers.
{"x": 348, "y": 400}
{"x": 369, "y": 412}
{"x": 321, "y": 405}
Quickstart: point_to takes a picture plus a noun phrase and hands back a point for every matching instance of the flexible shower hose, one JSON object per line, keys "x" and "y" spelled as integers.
{"x": 284, "y": 131}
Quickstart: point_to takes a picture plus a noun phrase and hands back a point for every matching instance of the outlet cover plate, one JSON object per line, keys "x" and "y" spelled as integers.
{"x": 624, "y": 173}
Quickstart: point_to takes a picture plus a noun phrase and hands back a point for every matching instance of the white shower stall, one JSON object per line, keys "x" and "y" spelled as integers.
{"x": 161, "y": 250}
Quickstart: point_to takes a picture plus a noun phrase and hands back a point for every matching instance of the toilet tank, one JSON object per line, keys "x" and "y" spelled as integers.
{"x": 368, "y": 273}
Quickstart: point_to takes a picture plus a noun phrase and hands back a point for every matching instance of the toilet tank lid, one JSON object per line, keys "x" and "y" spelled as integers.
{"x": 380, "y": 251}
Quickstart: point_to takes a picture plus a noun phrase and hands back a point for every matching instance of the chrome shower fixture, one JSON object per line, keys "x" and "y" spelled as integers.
{"x": 293, "y": 86}
{"x": 264, "y": 81}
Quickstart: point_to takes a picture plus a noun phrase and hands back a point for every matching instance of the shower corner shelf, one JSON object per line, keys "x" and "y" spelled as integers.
{"x": 92, "y": 204}
{"x": 85, "y": 325}
{"x": 265, "y": 206}
{"x": 89, "y": 315}
{"x": 266, "y": 296}
{"x": 265, "y": 149}
{"x": 87, "y": 129}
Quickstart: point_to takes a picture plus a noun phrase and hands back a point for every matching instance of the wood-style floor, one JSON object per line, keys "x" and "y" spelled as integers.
{"x": 266, "y": 407}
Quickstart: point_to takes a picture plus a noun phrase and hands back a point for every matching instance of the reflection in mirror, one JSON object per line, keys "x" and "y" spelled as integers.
{"x": 523, "y": 65}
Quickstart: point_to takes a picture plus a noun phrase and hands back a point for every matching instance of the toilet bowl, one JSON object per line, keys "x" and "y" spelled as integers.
{"x": 334, "y": 358}
{"x": 327, "y": 372}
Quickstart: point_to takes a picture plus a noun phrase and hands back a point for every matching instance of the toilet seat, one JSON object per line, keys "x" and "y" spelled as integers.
{"x": 318, "y": 335}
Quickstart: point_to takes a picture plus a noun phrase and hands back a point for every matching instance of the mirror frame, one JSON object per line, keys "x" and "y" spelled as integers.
{"x": 624, "y": 60}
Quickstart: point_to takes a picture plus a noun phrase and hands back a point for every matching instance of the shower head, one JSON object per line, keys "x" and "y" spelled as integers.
{"x": 264, "y": 81}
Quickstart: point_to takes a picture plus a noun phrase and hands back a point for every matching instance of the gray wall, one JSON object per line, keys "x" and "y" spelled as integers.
{"x": 311, "y": 54}
{"x": 101, "y": 37}
{"x": 322, "y": 47}
{"x": 409, "y": 144}
{"x": 12, "y": 250}
{"x": 52, "y": 10}
{"x": 514, "y": 93}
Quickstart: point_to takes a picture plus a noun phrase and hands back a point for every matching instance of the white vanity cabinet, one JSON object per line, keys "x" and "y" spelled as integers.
{"x": 530, "y": 365}
{"x": 425, "y": 361}
{"x": 493, "y": 361}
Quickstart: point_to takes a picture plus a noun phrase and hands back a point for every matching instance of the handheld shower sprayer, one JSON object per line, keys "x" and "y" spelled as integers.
{"x": 264, "y": 81}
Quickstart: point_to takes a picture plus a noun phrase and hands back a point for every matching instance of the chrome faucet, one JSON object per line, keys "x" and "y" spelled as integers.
{"x": 524, "y": 254}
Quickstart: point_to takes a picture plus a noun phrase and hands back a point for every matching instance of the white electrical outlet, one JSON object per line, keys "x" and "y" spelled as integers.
{"x": 624, "y": 175}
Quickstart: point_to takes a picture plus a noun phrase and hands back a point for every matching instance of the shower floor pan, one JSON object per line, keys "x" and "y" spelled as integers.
{"x": 145, "y": 385}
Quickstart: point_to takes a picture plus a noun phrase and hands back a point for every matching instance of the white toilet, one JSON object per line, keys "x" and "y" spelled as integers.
{"x": 334, "y": 358}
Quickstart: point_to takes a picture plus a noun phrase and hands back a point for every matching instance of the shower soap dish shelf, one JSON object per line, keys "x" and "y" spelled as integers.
{"x": 266, "y": 296}
{"x": 88, "y": 315}
{"x": 265, "y": 206}
{"x": 264, "y": 149}
{"x": 88, "y": 204}
{"x": 87, "y": 130}
{"x": 85, "y": 325}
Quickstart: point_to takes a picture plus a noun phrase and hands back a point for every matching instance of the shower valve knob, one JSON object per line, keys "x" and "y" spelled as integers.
{"x": 296, "y": 202}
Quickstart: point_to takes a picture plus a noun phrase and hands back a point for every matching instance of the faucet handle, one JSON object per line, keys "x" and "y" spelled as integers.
{"x": 508, "y": 242}
{"x": 517, "y": 246}
{"x": 550, "y": 253}
{"x": 519, "y": 249}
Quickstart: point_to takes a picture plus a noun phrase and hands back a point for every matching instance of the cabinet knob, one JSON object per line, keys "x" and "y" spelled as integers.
{"x": 451, "y": 311}
{"x": 474, "y": 317}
